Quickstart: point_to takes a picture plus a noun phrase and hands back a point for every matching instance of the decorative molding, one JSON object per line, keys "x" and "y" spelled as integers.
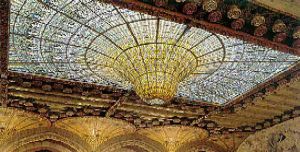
{"x": 4, "y": 44}
{"x": 4, "y": 34}
{"x": 198, "y": 19}
{"x": 153, "y": 116}
{"x": 268, "y": 87}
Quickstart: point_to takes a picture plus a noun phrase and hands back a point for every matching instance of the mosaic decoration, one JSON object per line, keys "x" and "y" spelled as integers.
{"x": 89, "y": 41}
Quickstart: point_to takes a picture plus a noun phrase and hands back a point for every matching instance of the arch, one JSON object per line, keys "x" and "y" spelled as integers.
{"x": 204, "y": 145}
{"x": 51, "y": 145}
{"x": 134, "y": 142}
{"x": 54, "y": 139}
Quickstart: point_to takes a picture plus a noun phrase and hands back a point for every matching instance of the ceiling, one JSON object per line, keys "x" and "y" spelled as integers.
{"x": 63, "y": 67}
{"x": 289, "y": 7}
{"x": 83, "y": 41}
{"x": 83, "y": 134}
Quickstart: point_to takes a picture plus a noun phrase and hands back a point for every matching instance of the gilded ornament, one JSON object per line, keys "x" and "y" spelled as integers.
{"x": 258, "y": 20}
{"x": 210, "y": 5}
{"x": 156, "y": 77}
{"x": 42, "y": 110}
{"x": 95, "y": 130}
{"x": 54, "y": 116}
{"x": 70, "y": 113}
{"x": 28, "y": 104}
{"x": 13, "y": 121}
{"x": 234, "y": 12}
{"x": 279, "y": 26}
{"x": 296, "y": 34}
{"x": 173, "y": 137}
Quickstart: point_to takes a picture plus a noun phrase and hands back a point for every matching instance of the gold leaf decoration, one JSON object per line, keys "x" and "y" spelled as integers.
{"x": 173, "y": 137}
{"x": 95, "y": 130}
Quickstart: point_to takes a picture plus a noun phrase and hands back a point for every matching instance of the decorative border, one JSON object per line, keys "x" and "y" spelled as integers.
{"x": 177, "y": 16}
{"x": 4, "y": 45}
{"x": 293, "y": 74}
{"x": 267, "y": 87}
{"x": 199, "y": 18}
{"x": 140, "y": 122}
{"x": 110, "y": 93}
{"x": 85, "y": 89}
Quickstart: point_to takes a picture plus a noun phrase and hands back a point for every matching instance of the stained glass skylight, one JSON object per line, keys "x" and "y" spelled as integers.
{"x": 76, "y": 39}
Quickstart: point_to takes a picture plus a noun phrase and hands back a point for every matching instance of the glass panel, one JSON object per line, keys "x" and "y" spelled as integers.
{"x": 85, "y": 41}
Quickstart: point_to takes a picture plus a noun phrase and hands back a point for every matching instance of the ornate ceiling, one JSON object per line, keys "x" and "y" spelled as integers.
{"x": 95, "y": 130}
{"x": 87, "y": 134}
{"x": 89, "y": 41}
{"x": 288, "y": 7}
{"x": 64, "y": 74}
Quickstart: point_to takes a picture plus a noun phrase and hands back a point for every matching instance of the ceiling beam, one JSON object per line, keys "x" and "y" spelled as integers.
{"x": 4, "y": 46}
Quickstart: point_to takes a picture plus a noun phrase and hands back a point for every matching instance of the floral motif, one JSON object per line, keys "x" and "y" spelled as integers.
{"x": 258, "y": 20}
{"x": 234, "y": 12}
{"x": 210, "y": 5}
{"x": 189, "y": 8}
{"x": 260, "y": 31}
{"x": 296, "y": 34}
{"x": 160, "y": 3}
{"x": 238, "y": 24}
{"x": 215, "y": 16}
{"x": 279, "y": 26}
{"x": 280, "y": 37}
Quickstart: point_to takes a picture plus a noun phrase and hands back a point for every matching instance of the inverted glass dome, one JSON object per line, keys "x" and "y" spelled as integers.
{"x": 89, "y": 41}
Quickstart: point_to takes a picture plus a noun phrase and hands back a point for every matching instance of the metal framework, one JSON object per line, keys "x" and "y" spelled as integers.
{"x": 32, "y": 85}
{"x": 82, "y": 40}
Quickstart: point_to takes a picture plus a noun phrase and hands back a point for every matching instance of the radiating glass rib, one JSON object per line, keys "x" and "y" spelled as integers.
{"x": 98, "y": 15}
{"x": 205, "y": 38}
{"x": 50, "y": 40}
{"x": 136, "y": 41}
